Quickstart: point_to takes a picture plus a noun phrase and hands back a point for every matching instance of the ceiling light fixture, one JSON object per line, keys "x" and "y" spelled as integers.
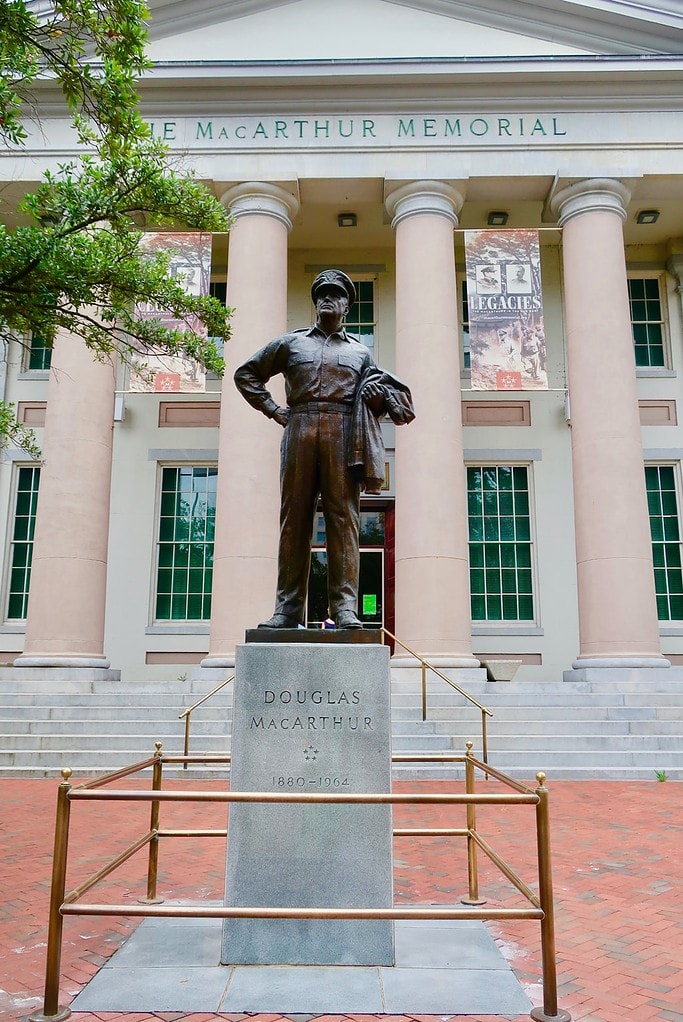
{"x": 497, "y": 218}
{"x": 647, "y": 216}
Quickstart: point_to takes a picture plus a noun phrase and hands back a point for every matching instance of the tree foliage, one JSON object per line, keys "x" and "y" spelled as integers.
{"x": 73, "y": 260}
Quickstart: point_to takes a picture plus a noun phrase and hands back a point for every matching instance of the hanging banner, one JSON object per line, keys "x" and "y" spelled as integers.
{"x": 505, "y": 304}
{"x": 190, "y": 255}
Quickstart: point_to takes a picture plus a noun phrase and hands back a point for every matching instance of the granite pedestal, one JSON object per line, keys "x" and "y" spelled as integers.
{"x": 310, "y": 718}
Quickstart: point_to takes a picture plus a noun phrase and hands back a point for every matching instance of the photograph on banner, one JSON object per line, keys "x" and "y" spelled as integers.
{"x": 505, "y": 306}
{"x": 190, "y": 263}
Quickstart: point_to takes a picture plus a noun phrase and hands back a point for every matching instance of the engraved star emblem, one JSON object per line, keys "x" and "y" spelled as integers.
{"x": 311, "y": 753}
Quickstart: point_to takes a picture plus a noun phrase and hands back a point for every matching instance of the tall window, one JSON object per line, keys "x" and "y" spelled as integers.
{"x": 647, "y": 321}
{"x": 185, "y": 549}
{"x": 39, "y": 356}
{"x": 500, "y": 543}
{"x": 662, "y": 502}
{"x": 21, "y": 548}
{"x": 360, "y": 320}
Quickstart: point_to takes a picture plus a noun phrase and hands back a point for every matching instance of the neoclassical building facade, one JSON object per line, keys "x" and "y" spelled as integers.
{"x": 541, "y": 523}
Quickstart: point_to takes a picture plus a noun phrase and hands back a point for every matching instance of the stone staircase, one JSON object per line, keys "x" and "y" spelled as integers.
{"x": 618, "y": 730}
{"x": 607, "y": 730}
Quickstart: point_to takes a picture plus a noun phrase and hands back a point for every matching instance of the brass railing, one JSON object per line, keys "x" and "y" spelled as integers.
{"x": 425, "y": 666}
{"x": 187, "y": 714}
{"x": 63, "y": 903}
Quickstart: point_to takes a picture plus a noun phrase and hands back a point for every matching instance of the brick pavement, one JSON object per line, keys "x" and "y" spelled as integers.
{"x": 617, "y": 876}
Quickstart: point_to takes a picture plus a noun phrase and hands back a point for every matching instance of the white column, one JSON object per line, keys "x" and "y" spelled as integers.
{"x": 66, "y": 607}
{"x": 432, "y": 561}
{"x": 248, "y": 501}
{"x": 618, "y": 624}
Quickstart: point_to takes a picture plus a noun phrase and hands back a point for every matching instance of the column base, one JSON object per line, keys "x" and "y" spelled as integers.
{"x": 70, "y": 662}
{"x": 62, "y": 1013}
{"x": 220, "y": 661}
{"x": 538, "y": 1015}
{"x": 630, "y": 662}
{"x": 644, "y": 671}
{"x": 66, "y": 680}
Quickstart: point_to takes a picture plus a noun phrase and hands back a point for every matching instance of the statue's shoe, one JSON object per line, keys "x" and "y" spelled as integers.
{"x": 280, "y": 621}
{"x": 347, "y": 619}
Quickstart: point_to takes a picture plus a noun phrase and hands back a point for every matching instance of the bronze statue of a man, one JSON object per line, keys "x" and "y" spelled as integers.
{"x": 331, "y": 448}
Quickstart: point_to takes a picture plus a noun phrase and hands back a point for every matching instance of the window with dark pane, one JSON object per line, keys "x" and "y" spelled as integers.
{"x": 500, "y": 543}
{"x": 465, "y": 313}
{"x": 39, "y": 355}
{"x": 21, "y": 548}
{"x": 360, "y": 319}
{"x": 662, "y": 499}
{"x": 218, "y": 289}
{"x": 187, "y": 518}
{"x": 647, "y": 321}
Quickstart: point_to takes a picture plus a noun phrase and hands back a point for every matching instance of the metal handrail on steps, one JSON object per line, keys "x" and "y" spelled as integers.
{"x": 424, "y": 664}
{"x": 187, "y": 714}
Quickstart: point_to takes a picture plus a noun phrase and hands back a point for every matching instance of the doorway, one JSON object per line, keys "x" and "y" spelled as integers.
{"x": 375, "y": 589}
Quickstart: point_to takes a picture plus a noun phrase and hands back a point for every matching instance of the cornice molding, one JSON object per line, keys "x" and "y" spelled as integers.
{"x": 609, "y": 27}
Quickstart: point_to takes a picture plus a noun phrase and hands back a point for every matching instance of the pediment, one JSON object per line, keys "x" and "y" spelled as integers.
{"x": 291, "y": 30}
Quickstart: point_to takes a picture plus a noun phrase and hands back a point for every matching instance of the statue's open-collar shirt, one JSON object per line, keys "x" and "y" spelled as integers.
{"x": 316, "y": 368}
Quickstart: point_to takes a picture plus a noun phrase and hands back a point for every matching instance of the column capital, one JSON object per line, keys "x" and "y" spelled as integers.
{"x": 418, "y": 197}
{"x": 598, "y": 194}
{"x": 261, "y": 197}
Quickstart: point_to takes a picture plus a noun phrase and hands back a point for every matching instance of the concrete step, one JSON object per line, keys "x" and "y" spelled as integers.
{"x": 81, "y": 760}
{"x": 657, "y": 681}
{"x": 83, "y": 773}
{"x": 611, "y": 773}
{"x": 104, "y": 726}
{"x": 101, "y": 742}
{"x": 524, "y": 713}
{"x": 422, "y": 743}
{"x": 578, "y": 743}
{"x": 616, "y": 729}
{"x": 114, "y": 700}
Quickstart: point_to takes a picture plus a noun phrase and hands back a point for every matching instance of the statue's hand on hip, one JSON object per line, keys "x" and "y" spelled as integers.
{"x": 281, "y": 415}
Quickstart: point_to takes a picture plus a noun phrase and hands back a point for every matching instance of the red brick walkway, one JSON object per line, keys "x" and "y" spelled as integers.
{"x": 617, "y": 851}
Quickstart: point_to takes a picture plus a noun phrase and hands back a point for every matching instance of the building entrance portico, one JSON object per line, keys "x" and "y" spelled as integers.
{"x": 541, "y": 522}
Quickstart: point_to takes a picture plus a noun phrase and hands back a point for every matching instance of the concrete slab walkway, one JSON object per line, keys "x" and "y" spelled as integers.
{"x": 174, "y": 965}
{"x": 618, "y": 892}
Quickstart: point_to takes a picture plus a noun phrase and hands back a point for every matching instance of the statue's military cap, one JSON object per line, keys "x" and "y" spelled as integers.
{"x": 334, "y": 278}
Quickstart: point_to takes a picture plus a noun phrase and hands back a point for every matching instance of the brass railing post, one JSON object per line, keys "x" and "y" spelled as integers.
{"x": 51, "y": 1011}
{"x": 424, "y": 690}
{"x": 549, "y": 1012}
{"x": 155, "y": 812}
{"x": 187, "y": 713}
{"x": 186, "y": 746}
{"x": 472, "y": 867}
{"x": 425, "y": 666}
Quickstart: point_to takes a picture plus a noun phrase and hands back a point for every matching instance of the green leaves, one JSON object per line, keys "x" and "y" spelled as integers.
{"x": 74, "y": 261}
{"x": 15, "y": 432}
